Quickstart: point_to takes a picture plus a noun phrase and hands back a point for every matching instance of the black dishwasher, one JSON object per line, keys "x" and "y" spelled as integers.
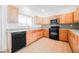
{"x": 18, "y": 40}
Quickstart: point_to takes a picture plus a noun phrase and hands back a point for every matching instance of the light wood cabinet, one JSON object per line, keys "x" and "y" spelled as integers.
{"x": 46, "y": 21}
{"x": 33, "y": 35}
{"x": 76, "y": 15}
{"x": 74, "y": 42}
{"x": 66, "y": 18}
{"x": 41, "y": 20}
{"x": 46, "y": 32}
{"x": 29, "y": 37}
{"x": 38, "y": 20}
{"x": 40, "y": 33}
{"x": 63, "y": 34}
{"x": 12, "y": 14}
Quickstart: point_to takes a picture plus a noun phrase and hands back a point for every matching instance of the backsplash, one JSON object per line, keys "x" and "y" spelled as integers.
{"x": 69, "y": 26}
{"x": 66, "y": 26}
{"x": 61, "y": 26}
{"x": 46, "y": 26}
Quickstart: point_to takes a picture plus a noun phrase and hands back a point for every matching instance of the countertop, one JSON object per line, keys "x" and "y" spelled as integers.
{"x": 23, "y": 29}
{"x": 76, "y": 31}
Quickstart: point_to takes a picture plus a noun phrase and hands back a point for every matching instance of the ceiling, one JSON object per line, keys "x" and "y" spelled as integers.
{"x": 45, "y": 10}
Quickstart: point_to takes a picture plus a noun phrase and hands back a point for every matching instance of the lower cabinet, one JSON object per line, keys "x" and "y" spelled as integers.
{"x": 74, "y": 42}
{"x": 46, "y": 32}
{"x": 29, "y": 37}
{"x": 67, "y": 35}
{"x": 33, "y": 36}
{"x": 63, "y": 34}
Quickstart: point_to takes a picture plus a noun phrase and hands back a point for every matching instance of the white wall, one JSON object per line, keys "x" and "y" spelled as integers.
{"x": 6, "y": 26}
{"x": 0, "y": 29}
{"x": 4, "y": 19}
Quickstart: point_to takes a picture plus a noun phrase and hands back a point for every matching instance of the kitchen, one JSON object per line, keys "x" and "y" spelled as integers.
{"x": 40, "y": 29}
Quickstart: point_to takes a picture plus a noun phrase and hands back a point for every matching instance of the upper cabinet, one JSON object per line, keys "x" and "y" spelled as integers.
{"x": 46, "y": 21}
{"x": 66, "y": 18}
{"x": 12, "y": 14}
{"x": 38, "y": 20}
{"x": 41, "y": 20}
{"x": 76, "y": 15}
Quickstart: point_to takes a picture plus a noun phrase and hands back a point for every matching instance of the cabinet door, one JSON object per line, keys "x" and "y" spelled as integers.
{"x": 46, "y": 33}
{"x": 75, "y": 45}
{"x": 66, "y": 18}
{"x": 33, "y": 35}
{"x": 38, "y": 20}
{"x": 70, "y": 38}
{"x": 63, "y": 35}
{"x": 29, "y": 37}
{"x": 76, "y": 15}
{"x": 62, "y": 19}
{"x": 12, "y": 14}
{"x": 46, "y": 21}
{"x": 41, "y": 33}
{"x": 41, "y": 20}
{"x": 69, "y": 18}
{"x": 74, "y": 42}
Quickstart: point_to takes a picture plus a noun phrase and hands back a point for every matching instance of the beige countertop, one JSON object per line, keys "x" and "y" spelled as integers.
{"x": 23, "y": 29}
{"x": 76, "y": 31}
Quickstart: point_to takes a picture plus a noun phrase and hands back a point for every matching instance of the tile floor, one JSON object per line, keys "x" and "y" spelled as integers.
{"x": 46, "y": 45}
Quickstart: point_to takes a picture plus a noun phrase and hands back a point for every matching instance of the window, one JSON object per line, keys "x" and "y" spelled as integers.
{"x": 25, "y": 20}
{"x": 29, "y": 21}
{"x": 22, "y": 19}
